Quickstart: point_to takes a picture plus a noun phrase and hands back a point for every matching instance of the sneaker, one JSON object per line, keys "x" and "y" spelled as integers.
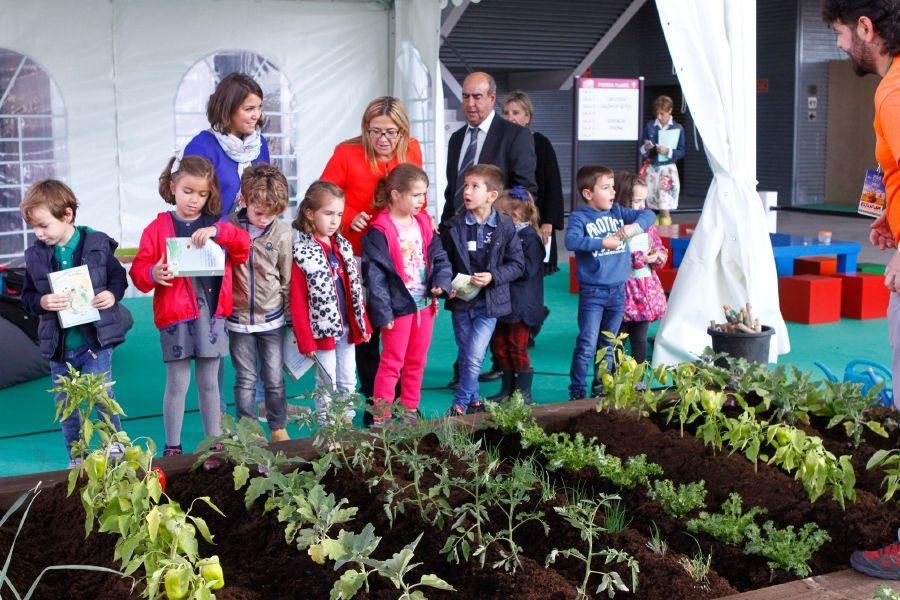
{"x": 883, "y": 563}
{"x": 455, "y": 410}
{"x": 172, "y": 450}
{"x": 475, "y": 408}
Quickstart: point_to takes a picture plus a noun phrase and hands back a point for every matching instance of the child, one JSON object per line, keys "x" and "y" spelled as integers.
{"x": 327, "y": 308}
{"x": 261, "y": 296}
{"x": 481, "y": 243}
{"x": 189, "y": 327}
{"x": 510, "y": 341}
{"x": 49, "y": 209}
{"x": 405, "y": 268}
{"x": 645, "y": 300}
{"x": 596, "y": 234}
{"x": 662, "y": 174}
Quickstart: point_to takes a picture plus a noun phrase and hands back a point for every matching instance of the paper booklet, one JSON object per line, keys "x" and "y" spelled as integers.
{"x": 872, "y": 199}
{"x": 640, "y": 243}
{"x": 187, "y": 260}
{"x": 76, "y": 284}
{"x": 462, "y": 283}
{"x": 295, "y": 364}
{"x": 669, "y": 139}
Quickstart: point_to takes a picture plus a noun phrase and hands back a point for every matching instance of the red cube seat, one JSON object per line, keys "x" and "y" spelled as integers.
{"x": 667, "y": 278}
{"x": 810, "y": 299}
{"x": 864, "y": 296}
{"x": 815, "y": 265}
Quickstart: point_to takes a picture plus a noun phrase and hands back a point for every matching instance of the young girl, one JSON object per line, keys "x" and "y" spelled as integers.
{"x": 327, "y": 307}
{"x": 645, "y": 300}
{"x": 189, "y": 327}
{"x": 405, "y": 269}
{"x": 510, "y": 341}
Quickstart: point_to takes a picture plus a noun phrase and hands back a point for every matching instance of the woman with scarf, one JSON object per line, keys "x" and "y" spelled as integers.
{"x": 356, "y": 166}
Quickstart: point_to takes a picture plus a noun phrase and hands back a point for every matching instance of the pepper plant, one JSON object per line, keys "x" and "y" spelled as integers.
{"x": 889, "y": 461}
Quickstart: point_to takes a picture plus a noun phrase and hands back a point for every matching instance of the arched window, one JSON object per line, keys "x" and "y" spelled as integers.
{"x": 278, "y": 104}
{"x": 32, "y": 143}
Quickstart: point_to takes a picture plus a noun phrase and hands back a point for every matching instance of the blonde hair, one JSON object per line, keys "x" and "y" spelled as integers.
{"x": 383, "y": 106}
{"x": 401, "y": 179}
{"x": 266, "y": 187}
{"x": 523, "y": 100}
{"x": 195, "y": 166}
{"x": 52, "y": 195}
{"x": 511, "y": 203}
{"x": 317, "y": 195}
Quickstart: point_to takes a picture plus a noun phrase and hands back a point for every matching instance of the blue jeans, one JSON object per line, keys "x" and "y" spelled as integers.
{"x": 84, "y": 360}
{"x": 473, "y": 330}
{"x": 600, "y": 308}
{"x": 250, "y": 353}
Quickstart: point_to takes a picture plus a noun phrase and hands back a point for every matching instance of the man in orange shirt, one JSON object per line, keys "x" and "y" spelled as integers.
{"x": 869, "y": 32}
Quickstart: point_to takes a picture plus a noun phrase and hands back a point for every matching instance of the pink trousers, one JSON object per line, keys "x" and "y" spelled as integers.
{"x": 404, "y": 350}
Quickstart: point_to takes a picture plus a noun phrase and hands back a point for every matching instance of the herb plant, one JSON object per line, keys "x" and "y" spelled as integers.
{"x": 678, "y": 502}
{"x": 728, "y": 526}
{"x": 784, "y": 548}
{"x": 511, "y": 415}
{"x": 656, "y": 544}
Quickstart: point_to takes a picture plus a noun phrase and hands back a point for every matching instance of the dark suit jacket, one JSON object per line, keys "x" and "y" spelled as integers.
{"x": 507, "y": 146}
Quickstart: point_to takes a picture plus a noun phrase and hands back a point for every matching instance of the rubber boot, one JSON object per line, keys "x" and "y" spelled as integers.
{"x": 507, "y": 385}
{"x": 523, "y": 384}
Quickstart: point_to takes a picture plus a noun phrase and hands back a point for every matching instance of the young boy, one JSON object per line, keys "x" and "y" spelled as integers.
{"x": 596, "y": 234}
{"x": 49, "y": 209}
{"x": 482, "y": 243}
{"x": 261, "y": 297}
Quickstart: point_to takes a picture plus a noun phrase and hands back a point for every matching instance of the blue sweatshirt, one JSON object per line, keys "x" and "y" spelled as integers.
{"x": 584, "y": 236}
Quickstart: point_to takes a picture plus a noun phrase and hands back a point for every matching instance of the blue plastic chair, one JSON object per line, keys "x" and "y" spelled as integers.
{"x": 869, "y": 374}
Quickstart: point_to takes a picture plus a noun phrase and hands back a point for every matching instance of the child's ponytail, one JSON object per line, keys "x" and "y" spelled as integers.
{"x": 195, "y": 166}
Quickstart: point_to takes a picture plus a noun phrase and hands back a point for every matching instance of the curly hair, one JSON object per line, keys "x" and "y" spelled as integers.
{"x": 885, "y": 16}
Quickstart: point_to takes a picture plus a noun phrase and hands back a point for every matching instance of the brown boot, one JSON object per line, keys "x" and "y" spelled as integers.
{"x": 280, "y": 435}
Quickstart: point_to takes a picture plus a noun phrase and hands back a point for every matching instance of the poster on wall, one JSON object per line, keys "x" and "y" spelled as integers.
{"x": 608, "y": 109}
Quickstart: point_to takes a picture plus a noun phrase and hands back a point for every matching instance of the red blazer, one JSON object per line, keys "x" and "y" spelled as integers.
{"x": 349, "y": 169}
{"x": 178, "y": 303}
{"x": 306, "y": 343}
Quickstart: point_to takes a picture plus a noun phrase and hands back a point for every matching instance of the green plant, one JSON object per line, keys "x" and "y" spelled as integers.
{"x": 656, "y": 544}
{"x": 678, "y": 502}
{"x": 615, "y": 519}
{"x": 357, "y": 549}
{"x": 730, "y": 525}
{"x": 511, "y": 493}
{"x": 710, "y": 430}
{"x": 533, "y": 436}
{"x": 697, "y": 567}
{"x": 886, "y": 593}
{"x": 471, "y": 512}
{"x": 845, "y": 404}
{"x": 511, "y": 415}
{"x": 636, "y": 471}
{"x": 331, "y": 423}
{"x": 5, "y": 582}
{"x": 432, "y": 506}
{"x": 243, "y": 444}
{"x": 784, "y": 548}
{"x": 564, "y": 451}
{"x": 582, "y": 515}
{"x": 321, "y": 511}
{"x": 746, "y": 434}
{"x": 278, "y": 485}
{"x": 889, "y": 461}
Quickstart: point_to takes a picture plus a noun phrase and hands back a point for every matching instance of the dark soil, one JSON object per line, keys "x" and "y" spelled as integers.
{"x": 258, "y": 564}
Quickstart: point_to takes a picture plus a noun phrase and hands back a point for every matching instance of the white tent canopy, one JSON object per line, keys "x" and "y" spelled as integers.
{"x": 729, "y": 260}
{"x": 119, "y": 64}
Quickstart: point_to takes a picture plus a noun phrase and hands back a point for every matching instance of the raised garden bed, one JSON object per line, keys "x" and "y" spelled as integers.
{"x": 258, "y": 563}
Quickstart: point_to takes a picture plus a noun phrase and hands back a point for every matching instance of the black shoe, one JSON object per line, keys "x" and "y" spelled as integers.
{"x": 368, "y": 417}
{"x": 491, "y": 375}
{"x": 506, "y": 387}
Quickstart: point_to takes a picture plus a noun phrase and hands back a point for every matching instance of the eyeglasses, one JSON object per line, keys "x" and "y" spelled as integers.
{"x": 389, "y": 134}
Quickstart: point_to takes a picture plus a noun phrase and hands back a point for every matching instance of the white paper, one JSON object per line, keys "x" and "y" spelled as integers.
{"x": 547, "y": 248}
{"x": 76, "y": 284}
{"x": 669, "y": 139}
{"x": 295, "y": 364}
{"x": 187, "y": 260}
{"x": 462, "y": 283}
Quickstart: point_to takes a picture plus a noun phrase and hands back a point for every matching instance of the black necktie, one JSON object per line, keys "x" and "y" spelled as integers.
{"x": 468, "y": 161}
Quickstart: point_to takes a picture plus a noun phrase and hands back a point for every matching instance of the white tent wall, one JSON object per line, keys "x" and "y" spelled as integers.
{"x": 72, "y": 42}
{"x": 335, "y": 56}
{"x": 729, "y": 260}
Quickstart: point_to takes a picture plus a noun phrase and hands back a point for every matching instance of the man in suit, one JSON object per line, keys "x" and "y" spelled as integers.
{"x": 486, "y": 139}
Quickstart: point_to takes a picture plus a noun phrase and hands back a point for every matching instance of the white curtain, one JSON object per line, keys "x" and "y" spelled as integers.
{"x": 729, "y": 260}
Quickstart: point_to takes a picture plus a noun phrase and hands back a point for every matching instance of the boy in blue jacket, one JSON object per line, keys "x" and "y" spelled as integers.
{"x": 596, "y": 234}
{"x": 484, "y": 244}
{"x": 49, "y": 209}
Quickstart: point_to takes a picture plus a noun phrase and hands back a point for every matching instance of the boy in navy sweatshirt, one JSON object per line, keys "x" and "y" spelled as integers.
{"x": 596, "y": 234}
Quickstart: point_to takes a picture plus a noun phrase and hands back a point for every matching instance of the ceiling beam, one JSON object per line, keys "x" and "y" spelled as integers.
{"x": 453, "y": 18}
{"x": 451, "y": 82}
{"x": 605, "y": 41}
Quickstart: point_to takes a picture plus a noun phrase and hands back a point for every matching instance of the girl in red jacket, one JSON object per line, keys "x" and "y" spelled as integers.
{"x": 190, "y": 312}
{"x": 327, "y": 307}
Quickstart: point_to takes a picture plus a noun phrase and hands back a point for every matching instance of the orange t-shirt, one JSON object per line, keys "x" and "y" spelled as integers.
{"x": 887, "y": 141}
{"x": 349, "y": 169}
